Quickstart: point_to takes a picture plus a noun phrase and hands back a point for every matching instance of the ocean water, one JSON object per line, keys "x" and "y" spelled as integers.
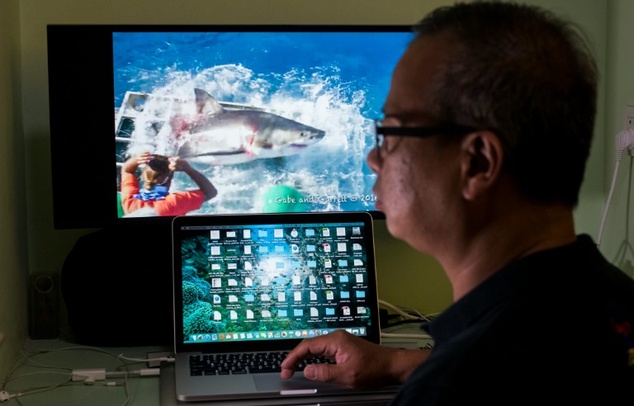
{"x": 336, "y": 82}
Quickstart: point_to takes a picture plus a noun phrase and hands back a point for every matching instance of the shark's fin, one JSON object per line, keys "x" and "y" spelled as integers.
{"x": 205, "y": 104}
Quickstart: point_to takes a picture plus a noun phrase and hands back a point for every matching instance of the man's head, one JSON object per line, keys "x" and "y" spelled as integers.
{"x": 528, "y": 76}
{"x": 522, "y": 78}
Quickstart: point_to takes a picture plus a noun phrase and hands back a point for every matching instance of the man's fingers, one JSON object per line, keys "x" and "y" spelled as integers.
{"x": 313, "y": 372}
{"x": 286, "y": 373}
{"x": 327, "y": 373}
{"x": 304, "y": 349}
{"x": 317, "y": 373}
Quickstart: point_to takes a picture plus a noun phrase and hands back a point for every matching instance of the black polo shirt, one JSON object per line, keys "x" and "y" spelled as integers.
{"x": 555, "y": 327}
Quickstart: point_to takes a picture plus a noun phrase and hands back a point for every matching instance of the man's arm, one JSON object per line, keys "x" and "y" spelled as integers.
{"x": 358, "y": 361}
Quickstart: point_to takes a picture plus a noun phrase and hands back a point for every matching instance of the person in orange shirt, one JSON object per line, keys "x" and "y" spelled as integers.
{"x": 155, "y": 196}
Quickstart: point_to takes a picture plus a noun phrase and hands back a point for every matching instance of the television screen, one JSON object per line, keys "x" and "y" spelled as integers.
{"x": 275, "y": 118}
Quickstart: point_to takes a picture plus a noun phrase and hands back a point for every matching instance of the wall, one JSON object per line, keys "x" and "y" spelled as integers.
{"x": 619, "y": 79}
{"x": 13, "y": 252}
{"x": 591, "y": 16}
{"x": 48, "y": 247}
{"x": 397, "y": 263}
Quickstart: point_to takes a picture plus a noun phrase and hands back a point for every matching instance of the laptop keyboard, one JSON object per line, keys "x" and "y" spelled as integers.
{"x": 244, "y": 363}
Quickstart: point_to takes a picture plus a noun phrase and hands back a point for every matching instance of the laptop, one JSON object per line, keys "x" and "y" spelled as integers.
{"x": 259, "y": 284}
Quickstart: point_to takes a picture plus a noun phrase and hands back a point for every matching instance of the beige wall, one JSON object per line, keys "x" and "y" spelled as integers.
{"x": 13, "y": 242}
{"x": 398, "y": 265}
{"x": 619, "y": 78}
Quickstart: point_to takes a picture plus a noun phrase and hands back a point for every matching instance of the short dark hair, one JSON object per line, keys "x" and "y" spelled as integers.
{"x": 529, "y": 76}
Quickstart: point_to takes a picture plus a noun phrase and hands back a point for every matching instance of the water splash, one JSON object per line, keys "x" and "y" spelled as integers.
{"x": 331, "y": 174}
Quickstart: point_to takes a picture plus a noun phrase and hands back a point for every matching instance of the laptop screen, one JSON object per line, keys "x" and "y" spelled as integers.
{"x": 269, "y": 278}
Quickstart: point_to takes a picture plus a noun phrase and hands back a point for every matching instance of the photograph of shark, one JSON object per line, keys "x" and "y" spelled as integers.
{"x": 279, "y": 109}
{"x": 220, "y": 136}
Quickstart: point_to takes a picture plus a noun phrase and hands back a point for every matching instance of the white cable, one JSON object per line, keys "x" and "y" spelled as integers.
{"x": 146, "y": 372}
{"x": 158, "y": 359}
{"x": 406, "y": 335}
{"x": 110, "y": 383}
{"x": 92, "y": 376}
{"x": 607, "y": 203}
{"x": 401, "y": 312}
{"x": 4, "y": 396}
{"x": 89, "y": 375}
{"x": 624, "y": 141}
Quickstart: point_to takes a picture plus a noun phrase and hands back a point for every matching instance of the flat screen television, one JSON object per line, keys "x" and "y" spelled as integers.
{"x": 297, "y": 102}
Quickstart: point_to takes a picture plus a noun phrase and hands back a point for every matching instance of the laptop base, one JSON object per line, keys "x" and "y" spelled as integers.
{"x": 167, "y": 397}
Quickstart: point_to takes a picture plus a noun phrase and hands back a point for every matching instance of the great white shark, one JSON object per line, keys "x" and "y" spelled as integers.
{"x": 219, "y": 135}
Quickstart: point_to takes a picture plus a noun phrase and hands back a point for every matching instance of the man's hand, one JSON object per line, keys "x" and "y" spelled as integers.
{"x": 358, "y": 361}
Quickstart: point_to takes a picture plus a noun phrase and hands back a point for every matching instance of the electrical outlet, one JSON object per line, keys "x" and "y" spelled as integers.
{"x": 628, "y": 117}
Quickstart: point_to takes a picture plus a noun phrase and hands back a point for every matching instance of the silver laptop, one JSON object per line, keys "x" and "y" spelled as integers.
{"x": 248, "y": 288}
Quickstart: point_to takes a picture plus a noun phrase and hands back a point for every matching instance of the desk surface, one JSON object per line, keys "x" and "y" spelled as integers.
{"x": 44, "y": 377}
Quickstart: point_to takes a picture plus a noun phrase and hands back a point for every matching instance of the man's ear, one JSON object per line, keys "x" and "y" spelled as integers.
{"x": 482, "y": 160}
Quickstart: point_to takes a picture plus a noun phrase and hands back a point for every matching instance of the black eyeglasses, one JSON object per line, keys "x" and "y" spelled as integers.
{"x": 380, "y": 132}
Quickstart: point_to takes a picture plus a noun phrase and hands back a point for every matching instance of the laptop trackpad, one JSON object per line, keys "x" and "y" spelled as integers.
{"x": 273, "y": 382}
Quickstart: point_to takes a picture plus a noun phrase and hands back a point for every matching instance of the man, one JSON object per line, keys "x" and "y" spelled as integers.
{"x": 155, "y": 195}
{"x": 479, "y": 162}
